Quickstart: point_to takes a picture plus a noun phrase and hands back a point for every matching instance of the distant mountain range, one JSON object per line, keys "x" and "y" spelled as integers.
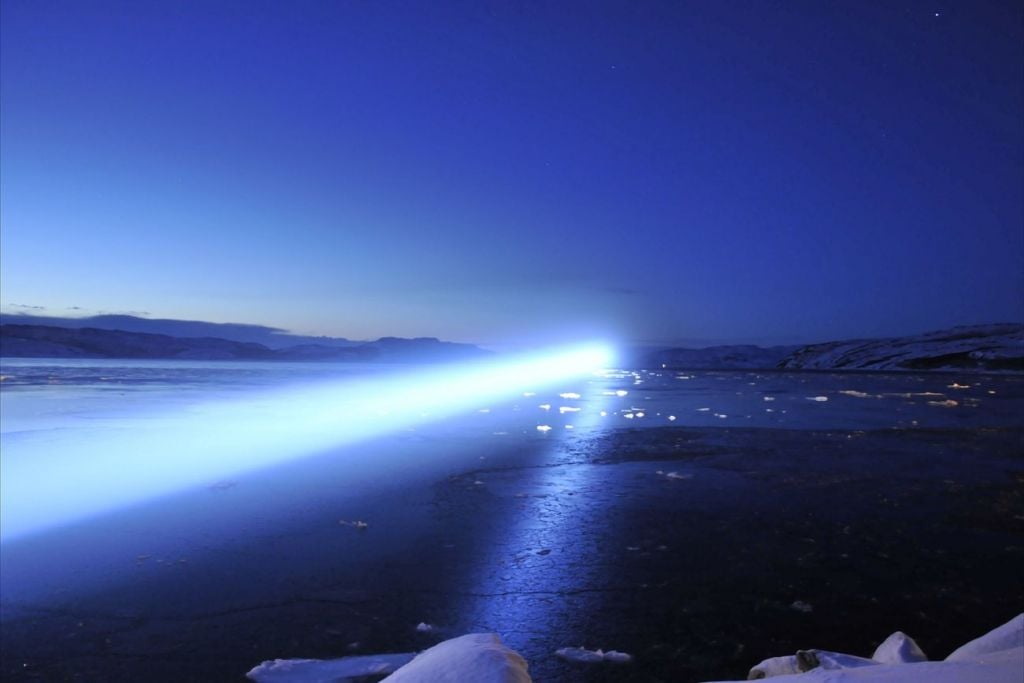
{"x": 977, "y": 348}
{"x": 46, "y": 341}
{"x": 744, "y": 356}
{"x": 270, "y": 337}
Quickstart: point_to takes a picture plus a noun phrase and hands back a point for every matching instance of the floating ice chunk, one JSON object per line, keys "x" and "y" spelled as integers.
{"x": 1009, "y": 635}
{"x": 543, "y": 428}
{"x": 569, "y": 427}
{"x": 854, "y": 393}
{"x": 629, "y": 416}
{"x": 819, "y": 399}
{"x": 570, "y": 394}
{"x": 424, "y": 627}
{"x": 477, "y": 657}
{"x": 582, "y": 654}
{"x": 604, "y": 413}
{"x": 545, "y": 406}
{"x": 768, "y": 398}
{"x": 617, "y": 657}
{"x": 528, "y": 394}
{"x": 774, "y": 666}
{"x": 568, "y": 409}
{"x": 944, "y": 404}
{"x": 639, "y": 414}
{"x": 484, "y": 410}
{"x": 955, "y": 385}
{"x": 677, "y": 475}
{"x": 703, "y": 410}
{"x": 356, "y": 523}
{"x": 319, "y": 670}
{"x": 671, "y": 418}
{"x": 621, "y": 392}
{"x": 801, "y": 606}
{"x": 897, "y": 649}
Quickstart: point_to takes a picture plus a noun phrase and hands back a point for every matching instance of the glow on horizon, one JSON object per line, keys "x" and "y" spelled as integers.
{"x": 54, "y": 481}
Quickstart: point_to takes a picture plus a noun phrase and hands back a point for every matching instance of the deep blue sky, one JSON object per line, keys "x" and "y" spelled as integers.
{"x": 488, "y": 172}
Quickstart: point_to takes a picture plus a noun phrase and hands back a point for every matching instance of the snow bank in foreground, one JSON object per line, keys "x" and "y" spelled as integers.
{"x": 996, "y": 657}
{"x": 477, "y": 657}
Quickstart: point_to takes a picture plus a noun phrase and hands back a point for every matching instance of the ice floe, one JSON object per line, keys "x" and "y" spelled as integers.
{"x": 321, "y": 670}
{"x": 582, "y": 654}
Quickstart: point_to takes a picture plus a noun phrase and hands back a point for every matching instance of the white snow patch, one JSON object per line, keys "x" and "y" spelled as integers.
{"x": 570, "y": 394}
{"x": 424, "y": 627}
{"x": 774, "y": 666}
{"x": 543, "y": 428}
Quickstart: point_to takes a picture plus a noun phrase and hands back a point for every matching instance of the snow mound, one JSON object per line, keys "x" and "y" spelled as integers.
{"x": 899, "y": 648}
{"x": 996, "y": 657}
{"x": 478, "y": 657}
{"x": 1008, "y": 636}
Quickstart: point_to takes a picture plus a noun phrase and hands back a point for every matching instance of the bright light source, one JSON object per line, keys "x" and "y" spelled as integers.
{"x": 47, "y": 482}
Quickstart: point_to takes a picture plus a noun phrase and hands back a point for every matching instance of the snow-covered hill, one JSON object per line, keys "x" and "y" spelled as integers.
{"x": 976, "y": 347}
{"x": 719, "y": 357}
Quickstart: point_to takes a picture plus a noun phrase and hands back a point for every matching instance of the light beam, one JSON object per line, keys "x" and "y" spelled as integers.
{"x": 50, "y": 481}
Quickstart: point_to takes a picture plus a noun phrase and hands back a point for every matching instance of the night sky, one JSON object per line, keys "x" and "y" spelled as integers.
{"x": 498, "y": 172}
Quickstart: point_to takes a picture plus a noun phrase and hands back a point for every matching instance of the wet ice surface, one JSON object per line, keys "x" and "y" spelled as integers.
{"x": 760, "y": 520}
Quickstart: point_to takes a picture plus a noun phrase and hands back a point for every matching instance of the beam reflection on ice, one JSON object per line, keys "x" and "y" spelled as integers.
{"x": 52, "y": 480}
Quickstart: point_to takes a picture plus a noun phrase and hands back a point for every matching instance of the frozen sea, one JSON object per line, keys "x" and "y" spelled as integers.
{"x": 700, "y": 521}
